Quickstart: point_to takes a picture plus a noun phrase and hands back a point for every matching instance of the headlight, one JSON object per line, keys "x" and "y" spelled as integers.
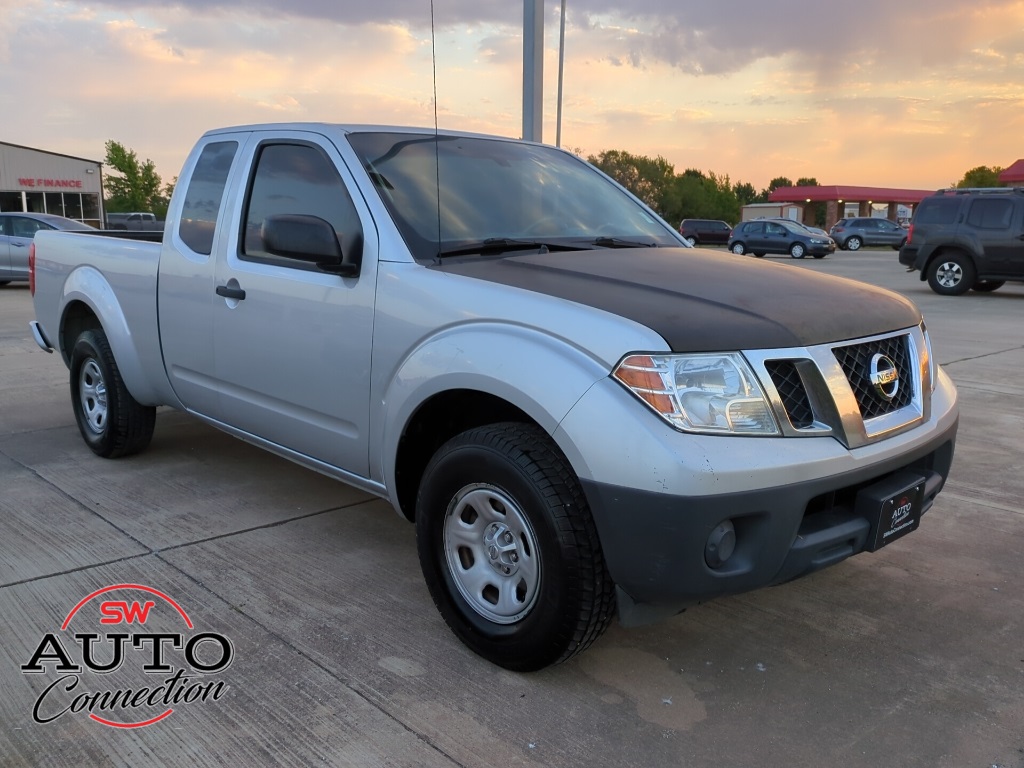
{"x": 714, "y": 393}
{"x": 818, "y": 241}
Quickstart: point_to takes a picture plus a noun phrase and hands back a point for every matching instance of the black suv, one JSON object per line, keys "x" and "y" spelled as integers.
{"x": 701, "y": 231}
{"x": 851, "y": 234}
{"x": 961, "y": 239}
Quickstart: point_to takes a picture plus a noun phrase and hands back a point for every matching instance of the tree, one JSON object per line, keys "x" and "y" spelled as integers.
{"x": 807, "y": 181}
{"x": 745, "y": 193}
{"x": 649, "y": 179}
{"x": 982, "y": 176}
{"x": 136, "y": 186}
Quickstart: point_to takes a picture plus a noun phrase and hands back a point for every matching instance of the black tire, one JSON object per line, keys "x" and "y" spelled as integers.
{"x": 4, "y": 282}
{"x": 111, "y": 421}
{"x": 759, "y": 254}
{"x": 692, "y": 240}
{"x": 798, "y": 250}
{"x": 503, "y": 497}
{"x": 951, "y": 273}
{"x": 819, "y": 255}
{"x": 987, "y": 286}
{"x": 738, "y": 248}
{"x": 853, "y": 243}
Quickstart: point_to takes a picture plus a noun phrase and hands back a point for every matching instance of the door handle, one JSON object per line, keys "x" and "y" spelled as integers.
{"x": 230, "y": 293}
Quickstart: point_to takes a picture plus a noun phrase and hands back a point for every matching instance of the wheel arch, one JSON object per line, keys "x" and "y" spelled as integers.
{"x": 437, "y": 420}
{"x": 944, "y": 251}
{"x": 471, "y": 377}
{"x": 90, "y": 302}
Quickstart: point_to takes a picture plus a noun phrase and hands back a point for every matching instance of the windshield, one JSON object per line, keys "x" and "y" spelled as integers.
{"x": 499, "y": 191}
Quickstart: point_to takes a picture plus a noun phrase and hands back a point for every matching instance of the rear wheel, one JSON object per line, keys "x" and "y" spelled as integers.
{"x": 509, "y": 550}
{"x": 951, "y": 274}
{"x": 854, "y": 243}
{"x": 691, "y": 240}
{"x": 738, "y": 248}
{"x": 797, "y": 250}
{"x": 111, "y": 421}
{"x": 987, "y": 286}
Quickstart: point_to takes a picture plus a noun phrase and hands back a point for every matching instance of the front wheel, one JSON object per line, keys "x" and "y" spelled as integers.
{"x": 738, "y": 248}
{"x": 951, "y": 274}
{"x": 509, "y": 550}
{"x": 111, "y": 421}
{"x": 797, "y": 250}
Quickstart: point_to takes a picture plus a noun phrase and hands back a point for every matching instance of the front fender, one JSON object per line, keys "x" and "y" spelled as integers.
{"x": 539, "y": 374}
{"x": 136, "y": 347}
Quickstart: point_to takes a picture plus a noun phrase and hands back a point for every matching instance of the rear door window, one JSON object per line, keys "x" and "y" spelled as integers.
{"x": 938, "y": 211}
{"x": 990, "y": 213}
{"x": 205, "y": 195}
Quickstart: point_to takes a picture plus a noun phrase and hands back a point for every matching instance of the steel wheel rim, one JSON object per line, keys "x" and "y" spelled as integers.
{"x": 92, "y": 393}
{"x": 492, "y": 554}
{"x": 949, "y": 274}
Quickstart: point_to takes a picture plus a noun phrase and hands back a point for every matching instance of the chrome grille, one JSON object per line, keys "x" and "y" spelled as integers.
{"x": 855, "y": 360}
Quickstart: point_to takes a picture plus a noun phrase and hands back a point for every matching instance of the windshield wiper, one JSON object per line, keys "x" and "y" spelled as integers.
{"x": 618, "y": 242}
{"x": 502, "y": 244}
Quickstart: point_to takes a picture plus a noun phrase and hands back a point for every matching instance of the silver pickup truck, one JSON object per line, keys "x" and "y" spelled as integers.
{"x": 583, "y": 416}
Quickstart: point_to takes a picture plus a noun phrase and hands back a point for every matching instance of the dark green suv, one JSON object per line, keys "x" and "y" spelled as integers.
{"x": 964, "y": 239}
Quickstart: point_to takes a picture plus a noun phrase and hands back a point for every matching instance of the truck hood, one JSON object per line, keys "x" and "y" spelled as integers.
{"x": 705, "y": 301}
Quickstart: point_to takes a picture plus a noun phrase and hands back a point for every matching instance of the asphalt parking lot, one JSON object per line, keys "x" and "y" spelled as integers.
{"x": 912, "y": 656}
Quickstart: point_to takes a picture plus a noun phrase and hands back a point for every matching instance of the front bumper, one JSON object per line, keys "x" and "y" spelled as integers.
{"x": 655, "y": 544}
{"x": 657, "y": 495}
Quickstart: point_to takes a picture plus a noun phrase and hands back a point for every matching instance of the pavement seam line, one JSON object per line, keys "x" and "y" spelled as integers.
{"x": 303, "y": 654}
{"x": 981, "y": 357}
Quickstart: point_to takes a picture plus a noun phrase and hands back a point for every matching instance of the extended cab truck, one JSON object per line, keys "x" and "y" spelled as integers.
{"x": 581, "y": 414}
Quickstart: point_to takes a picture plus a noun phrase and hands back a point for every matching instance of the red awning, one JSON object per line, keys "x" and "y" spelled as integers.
{"x": 1014, "y": 174}
{"x": 848, "y": 194}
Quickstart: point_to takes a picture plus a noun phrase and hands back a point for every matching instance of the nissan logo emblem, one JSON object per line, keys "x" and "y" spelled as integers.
{"x": 885, "y": 378}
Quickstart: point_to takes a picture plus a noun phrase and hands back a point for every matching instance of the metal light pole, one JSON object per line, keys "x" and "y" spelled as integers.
{"x": 533, "y": 69}
{"x": 561, "y": 67}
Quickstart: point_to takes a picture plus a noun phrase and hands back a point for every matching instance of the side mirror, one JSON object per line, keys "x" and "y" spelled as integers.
{"x": 307, "y": 238}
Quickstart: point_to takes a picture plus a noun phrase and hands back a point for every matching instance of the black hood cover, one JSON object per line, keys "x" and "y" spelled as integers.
{"x": 705, "y": 301}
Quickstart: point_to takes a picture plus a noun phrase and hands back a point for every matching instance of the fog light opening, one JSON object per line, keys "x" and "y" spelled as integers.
{"x": 721, "y": 544}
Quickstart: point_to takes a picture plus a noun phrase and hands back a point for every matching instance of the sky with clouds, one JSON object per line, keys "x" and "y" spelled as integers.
{"x": 905, "y": 94}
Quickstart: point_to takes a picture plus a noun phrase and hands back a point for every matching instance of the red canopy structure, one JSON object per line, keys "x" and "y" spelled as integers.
{"x": 1014, "y": 174}
{"x": 835, "y": 196}
{"x": 851, "y": 194}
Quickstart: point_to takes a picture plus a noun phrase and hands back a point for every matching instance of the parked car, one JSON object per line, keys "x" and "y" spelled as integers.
{"x": 964, "y": 239}
{"x": 817, "y": 231}
{"x": 16, "y": 232}
{"x": 763, "y": 236}
{"x": 852, "y": 234}
{"x": 705, "y": 231}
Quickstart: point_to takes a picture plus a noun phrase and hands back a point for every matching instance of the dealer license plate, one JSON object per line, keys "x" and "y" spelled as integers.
{"x": 894, "y": 509}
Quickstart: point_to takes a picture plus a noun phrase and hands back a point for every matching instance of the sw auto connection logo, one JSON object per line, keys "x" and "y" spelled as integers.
{"x": 99, "y": 673}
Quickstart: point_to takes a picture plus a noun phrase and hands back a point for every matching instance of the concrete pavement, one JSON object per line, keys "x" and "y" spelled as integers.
{"x": 913, "y": 656}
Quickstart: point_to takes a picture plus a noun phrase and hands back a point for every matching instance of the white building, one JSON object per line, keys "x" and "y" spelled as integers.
{"x": 46, "y": 182}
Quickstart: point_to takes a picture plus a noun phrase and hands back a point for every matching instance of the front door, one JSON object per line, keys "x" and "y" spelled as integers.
{"x": 292, "y": 343}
